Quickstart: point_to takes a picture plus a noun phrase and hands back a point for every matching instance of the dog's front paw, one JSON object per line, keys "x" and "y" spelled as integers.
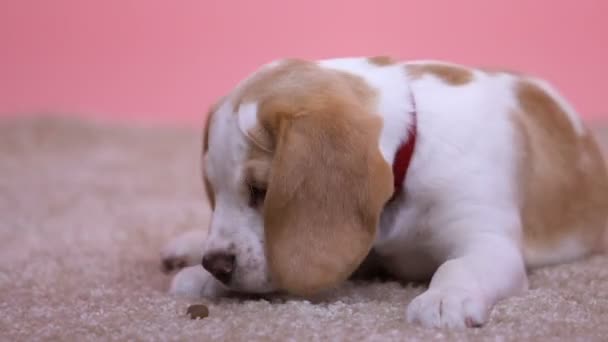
{"x": 448, "y": 308}
{"x": 195, "y": 282}
{"x": 183, "y": 251}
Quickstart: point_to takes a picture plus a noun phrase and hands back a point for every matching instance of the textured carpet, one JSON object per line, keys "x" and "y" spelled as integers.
{"x": 85, "y": 209}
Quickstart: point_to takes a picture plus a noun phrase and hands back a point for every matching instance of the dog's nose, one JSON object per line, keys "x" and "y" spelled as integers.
{"x": 220, "y": 265}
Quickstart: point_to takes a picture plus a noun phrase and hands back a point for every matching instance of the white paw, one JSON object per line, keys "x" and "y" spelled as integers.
{"x": 184, "y": 250}
{"x": 195, "y": 282}
{"x": 448, "y": 308}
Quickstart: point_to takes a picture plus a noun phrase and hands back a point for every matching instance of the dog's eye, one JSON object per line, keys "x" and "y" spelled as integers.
{"x": 256, "y": 195}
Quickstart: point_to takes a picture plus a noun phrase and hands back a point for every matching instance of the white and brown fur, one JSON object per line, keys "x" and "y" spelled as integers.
{"x": 504, "y": 177}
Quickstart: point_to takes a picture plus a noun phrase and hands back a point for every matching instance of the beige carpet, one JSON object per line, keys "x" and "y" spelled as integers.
{"x": 84, "y": 210}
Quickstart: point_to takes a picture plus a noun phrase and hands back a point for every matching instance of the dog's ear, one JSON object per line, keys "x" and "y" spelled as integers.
{"x": 212, "y": 109}
{"x": 327, "y": 186}
{"x": 205, "y": 146}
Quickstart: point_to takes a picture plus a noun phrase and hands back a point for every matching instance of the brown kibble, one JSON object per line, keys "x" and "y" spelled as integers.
{"x": 198, "y": 311}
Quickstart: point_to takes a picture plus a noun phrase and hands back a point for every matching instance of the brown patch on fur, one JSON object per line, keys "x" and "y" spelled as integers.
{"x": 381, "y": 60}
{"x": 327, "y": 181}
{"x": 450, "y": 74}
{"x": 498, "y": 71}
{"x": 298, "y": 78}
{"x": 564, "y": 180}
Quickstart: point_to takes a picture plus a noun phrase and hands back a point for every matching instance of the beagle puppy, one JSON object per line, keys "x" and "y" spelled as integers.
{"x": 435, "y": 171}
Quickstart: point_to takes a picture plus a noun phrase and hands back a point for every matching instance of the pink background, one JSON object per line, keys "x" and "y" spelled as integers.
{"x": 167, "y": 60}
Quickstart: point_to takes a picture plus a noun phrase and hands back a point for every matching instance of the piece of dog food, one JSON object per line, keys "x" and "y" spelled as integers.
{"x": 198, "y": 311}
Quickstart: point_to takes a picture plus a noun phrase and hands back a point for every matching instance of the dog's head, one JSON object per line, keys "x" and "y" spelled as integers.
{"x": 295, "y": 176}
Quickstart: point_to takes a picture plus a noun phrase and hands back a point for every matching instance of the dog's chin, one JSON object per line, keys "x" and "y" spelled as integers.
{"x": 251, "y": 287}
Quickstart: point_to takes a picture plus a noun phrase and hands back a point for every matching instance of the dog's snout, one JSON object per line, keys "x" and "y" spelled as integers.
{"x": 220, "y": 265}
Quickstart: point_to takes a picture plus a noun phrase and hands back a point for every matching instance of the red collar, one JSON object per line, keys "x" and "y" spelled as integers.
{"x": 404, "y": 153}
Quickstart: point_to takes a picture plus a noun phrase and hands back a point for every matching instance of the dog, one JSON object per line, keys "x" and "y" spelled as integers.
{"x": 429, "y": 170}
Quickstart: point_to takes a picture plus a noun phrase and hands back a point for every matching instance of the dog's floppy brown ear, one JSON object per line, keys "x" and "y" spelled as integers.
{"x": 328, "y": 184}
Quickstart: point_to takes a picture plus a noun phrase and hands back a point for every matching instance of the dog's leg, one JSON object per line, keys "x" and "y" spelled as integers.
{"x": 184, "y": 254}
{"x": 484, "y": 267}
{"x": 184, "y": 250}
{"x": 195, "y": 281}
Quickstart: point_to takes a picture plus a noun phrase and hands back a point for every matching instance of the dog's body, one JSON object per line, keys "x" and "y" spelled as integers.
{"x": 504, "y": 176}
